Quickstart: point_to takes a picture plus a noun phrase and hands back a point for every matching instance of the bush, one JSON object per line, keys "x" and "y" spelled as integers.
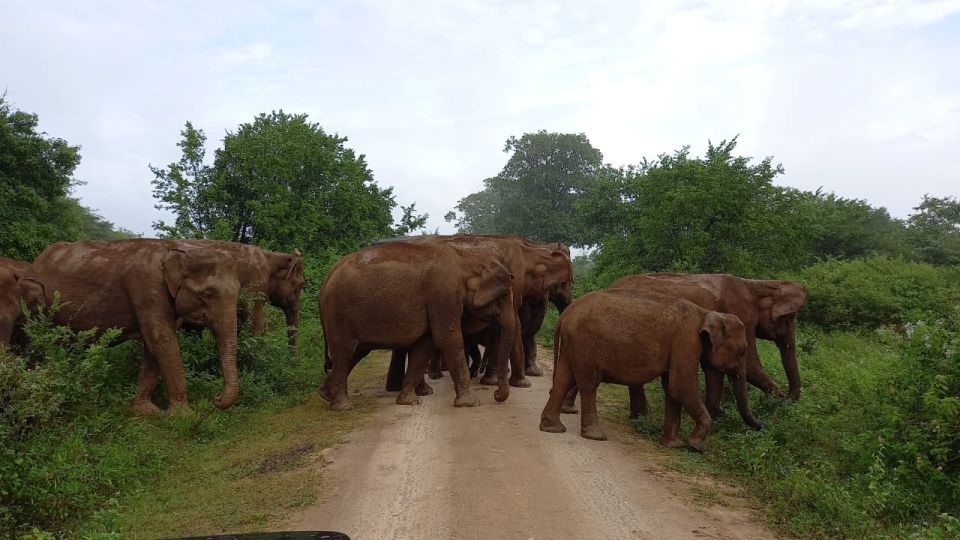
{"x": 876, "y": 291}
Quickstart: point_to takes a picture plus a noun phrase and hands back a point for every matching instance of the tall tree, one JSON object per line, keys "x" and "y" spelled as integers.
{"x": 538, "y": 192}
{"x": 935, "y": 230}
{"x": 280, "y": 182}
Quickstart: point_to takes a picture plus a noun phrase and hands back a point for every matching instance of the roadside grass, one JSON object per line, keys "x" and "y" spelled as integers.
{"x": 260, "y": 467}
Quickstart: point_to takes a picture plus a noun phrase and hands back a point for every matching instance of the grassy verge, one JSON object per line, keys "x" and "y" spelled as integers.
{"x": 244, "y": 473}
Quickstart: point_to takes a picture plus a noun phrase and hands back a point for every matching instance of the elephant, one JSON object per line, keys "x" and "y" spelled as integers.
{"x": 15, "y": 266}
{"x": 631, "y": 337}
{"x": 417, "y": 296}
{"x": 9, "y": 306}
{"x": 147, "y": 289}
{"x": 540, "y": 271}
{"x": 274, "y": 277}
{"x": 767, "y": 309}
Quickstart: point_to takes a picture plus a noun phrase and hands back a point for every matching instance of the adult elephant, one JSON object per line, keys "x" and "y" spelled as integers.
{"x": 146, "y": 288}
{"x": 540, "y": 271}
{"x": 271, "y": 276}
{"x": 9, "y": 305}
{"x": 767, "y": 309}
{"x": 15, "y": 266}
{"x": 630, "y": 337}
{"x": 403, "y": 295}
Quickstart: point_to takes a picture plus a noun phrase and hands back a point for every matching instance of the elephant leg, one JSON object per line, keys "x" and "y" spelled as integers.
{"x": 419, "y": 355}
{"x": 587, "y": 379}
{"x": 160, "y": 342}
{"x": 489, "y": 375}
{"x": 638, "y": 401}
{"x": 434, "y": 367}
{"x": 449, "y": 341}
{"x": 563, "y": 382}
{"x": 258, "y": 322}
{"x": 146, "y": 383}
{"x": 685, "y": 390}
{"x": 517, "y": 367}
{"x": 755, "y": 373}
{"x": 533, "y": 323}
{"x": 334, "y": 388}
{"x": 570, "y": 401}
{"x": 714, "y": 382}
{"x": 398, "y": 360}
{"x": 473, "y": 353}
{"x": 671, "y": 417}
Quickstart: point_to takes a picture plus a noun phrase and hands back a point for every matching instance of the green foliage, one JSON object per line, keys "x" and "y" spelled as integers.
{"x": 848, "y": 228}
{"x": 70, "y": 454}
{"x": 718, "y": 213}
{"x": 876, "y": 291}
{"x": 539, "y": 191}
{"x": 280, "y": 182}
{"x": 935, "y": 230}
{"x": 36, "y": 177}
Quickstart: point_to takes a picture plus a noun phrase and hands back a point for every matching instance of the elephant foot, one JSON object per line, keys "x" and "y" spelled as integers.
{"x": 715, "y": 412}
{"x": 552, "y": 425}
{"x": 435, "y": 374}
{"x": 638, "y": 413}
{"x": 341, "y": 403}
{"x": 593, "y": 432}
{"x": 466, "y": 400}
{"x": 405, "y": 398}
{"x": 520, "y": 382}
{"x": 489, "y": 379}
{"x": 697, "y": 443}
{"x": 793, "y": 395}
{"x": 533, "y": 370}
{"x": 424, "y": 389}
{"x": 569, "y": 408}
{"x": 501, "y": 394}
{"x": 145, "y": 407}
{"x": 474, "y": 373}
{"x": 391, "y": 387}
{"x": 324, "y": 392}
{"x": 673, "y": 443}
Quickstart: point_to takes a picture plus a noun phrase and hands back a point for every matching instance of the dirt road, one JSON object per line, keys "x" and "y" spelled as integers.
{"x": 435, "y": 471}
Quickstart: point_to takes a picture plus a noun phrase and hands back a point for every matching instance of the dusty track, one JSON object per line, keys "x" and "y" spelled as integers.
{"x": 435, "y": 471}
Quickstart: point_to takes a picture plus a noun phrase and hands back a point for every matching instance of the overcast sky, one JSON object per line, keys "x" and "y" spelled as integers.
{"x": 860, "y": 97}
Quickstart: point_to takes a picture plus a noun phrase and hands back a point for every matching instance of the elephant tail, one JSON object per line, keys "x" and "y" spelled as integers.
{"x": 556, "y": 345}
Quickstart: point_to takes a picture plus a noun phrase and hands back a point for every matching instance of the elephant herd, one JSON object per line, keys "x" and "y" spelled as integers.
{"x": 149, "y": 288}
{"x": 434, "y": 301}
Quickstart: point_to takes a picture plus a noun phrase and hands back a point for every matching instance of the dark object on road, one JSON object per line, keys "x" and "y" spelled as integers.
{"x": 289, "y": 535}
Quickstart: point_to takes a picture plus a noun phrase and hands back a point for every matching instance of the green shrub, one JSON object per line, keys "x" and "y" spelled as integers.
{"x": 876, "y": 291}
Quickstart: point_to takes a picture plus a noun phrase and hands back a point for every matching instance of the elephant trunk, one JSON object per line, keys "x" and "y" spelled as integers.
{"x": 788, "y": 356}
{"x": 508, "y": 328}
{"x": 293, "y": 326}
{"x": 227, "y": 348}
{"x": 739, "y": 382}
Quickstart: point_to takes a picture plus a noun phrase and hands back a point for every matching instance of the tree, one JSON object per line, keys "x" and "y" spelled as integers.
{"x": 538, "y": 192}
{"x": 843, "y": 228}
{"x": 718, "y": 213}
{"x": 36, "y": 178}
{"x": 935, "y": 230}
{"x": 280, "y": 182}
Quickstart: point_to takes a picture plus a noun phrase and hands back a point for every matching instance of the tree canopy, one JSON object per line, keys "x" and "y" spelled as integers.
{"x": 538, "y": 192}
{"x": 280, "y": 182}
{"x": 36, "y": 179}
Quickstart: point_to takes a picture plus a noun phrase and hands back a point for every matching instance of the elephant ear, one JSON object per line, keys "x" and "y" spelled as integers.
{"x": 294, "y": 263}
{"x": 174, "y": 269}
{"x": 493, "y": 282}
{"x": 713, "y": 330}
{"x": 788, "y": 298}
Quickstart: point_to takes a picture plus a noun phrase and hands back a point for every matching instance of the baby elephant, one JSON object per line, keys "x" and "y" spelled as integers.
{"x": 631, "y": 337}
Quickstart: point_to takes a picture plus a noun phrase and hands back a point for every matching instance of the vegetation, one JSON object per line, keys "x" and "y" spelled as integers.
{"x": 872, "y": 449}
{"x": 36, "y": 178}
{"x": 279, "y": 182}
